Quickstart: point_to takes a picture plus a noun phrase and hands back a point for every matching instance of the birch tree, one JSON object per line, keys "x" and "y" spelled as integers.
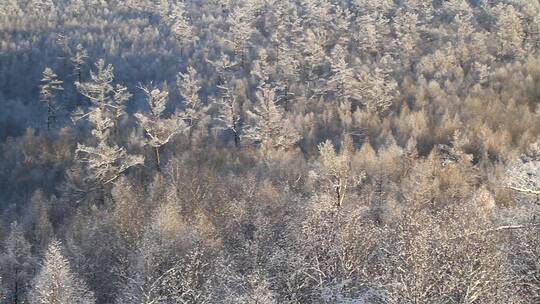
{"x": 50, "y": 86}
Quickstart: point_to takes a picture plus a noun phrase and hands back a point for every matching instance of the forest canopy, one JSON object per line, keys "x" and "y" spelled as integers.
{"x": 269, "y": 151}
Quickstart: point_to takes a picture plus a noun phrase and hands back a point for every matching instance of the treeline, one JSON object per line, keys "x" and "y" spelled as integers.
{"x": 269, "y": 151}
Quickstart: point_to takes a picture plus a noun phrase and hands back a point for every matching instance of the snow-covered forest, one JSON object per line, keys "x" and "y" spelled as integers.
{"x": 269, "y": 151}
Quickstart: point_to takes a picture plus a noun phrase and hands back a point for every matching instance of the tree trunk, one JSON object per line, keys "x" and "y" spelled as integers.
{"x": 158, "y": 161}
{"x": 49, "y": 115}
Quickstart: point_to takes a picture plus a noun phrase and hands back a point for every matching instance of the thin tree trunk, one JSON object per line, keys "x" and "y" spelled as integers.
{"x": 158, "y": 161}
{"x": 49, "y": 115}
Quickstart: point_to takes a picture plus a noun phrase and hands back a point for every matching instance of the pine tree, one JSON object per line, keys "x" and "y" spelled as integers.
{"x": 48, "y": 89}
{"x": 56, "y": 283}
{"x": 159, "y": 130}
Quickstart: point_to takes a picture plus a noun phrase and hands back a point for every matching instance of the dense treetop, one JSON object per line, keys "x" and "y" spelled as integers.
{"x": 269, "y": 151}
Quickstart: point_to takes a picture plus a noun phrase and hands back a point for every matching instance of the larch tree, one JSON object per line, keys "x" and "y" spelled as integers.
{"x": 509, "y": 31}
{"x": 162, "y": 269}
{"x": 40, "y": 7}
{"x": 195, "y": 112}
{"x": 103, "y": 95}
{"x": 16, "y": 265}
{"x": 241, "y": 29}
{"x": 372, "y": 31}
{"x": 377, "y": 90}
{"x": 56, "y": 283}
{"x": 78, "y": 60}
{"x": 229, "y": 113}
{"x": 105, "y": 161}
{"x": 10, "y": 8}
{"x": 269, "y": 127}
{"x": 180, "y": 24}
{"x": 50, "y": 86}
{"x": 405, "y": 26}
{"x": 343, "y": 81}
{"x": 335, "y": 171}
{"x": 41, "y": 224}
{"x": 159, "y": 130}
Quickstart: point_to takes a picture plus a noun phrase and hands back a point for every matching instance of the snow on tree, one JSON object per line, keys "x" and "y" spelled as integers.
{"x": 103, "y": 95}
{"x": 241, "y": 29}
{"x": 40, "y": 7}
{"x": 335, "y": 171}
{"x": 405, "y": 26}
{"x": 195, "y": 112}
{"x": 372, "y": 32}
{"x": 167, "y": 266}
{"x": 523, "y": 176}
{"x": 106, "y": 161}
{"x": 159, "y": 130}
{"x": 10, "y": 8}
{"x": 50, "y": 85}
{"x": 175, "y": 17}
{"x": 269, "y": 127}
{"x": 56, "y": 283}
{"x": 509, "y": 31}
{"x": 229, "y": 113}
{"x": 78, "y": 60}
{"x": 16, "y": 265}
{"x": 344, "y": 80}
